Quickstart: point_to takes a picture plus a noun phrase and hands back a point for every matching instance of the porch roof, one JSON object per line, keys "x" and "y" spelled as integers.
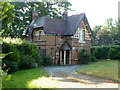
{"x": 66, "y": 46}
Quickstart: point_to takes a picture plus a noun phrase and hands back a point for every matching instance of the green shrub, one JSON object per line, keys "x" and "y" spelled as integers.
{"x": 118, "y": 56}
{"x": 92, "y": 58}
{"x": 113, "y": 53}
{"x": 84, "y": 57}
{"x": 105, "y": 52}
{"x": 26, "y": 62}
{"x": 27, "y": 48}
{"x": 47, "y": 60}
{"x": 23, "y": 53}
{"x": 12, "y": 66}
{"x": 100, "y": 53}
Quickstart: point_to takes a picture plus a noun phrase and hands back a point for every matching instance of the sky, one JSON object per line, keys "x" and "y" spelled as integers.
{"x": 97, "y": 11}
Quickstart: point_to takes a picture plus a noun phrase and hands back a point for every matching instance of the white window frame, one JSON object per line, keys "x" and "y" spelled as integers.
{"x": 81, "y": 37}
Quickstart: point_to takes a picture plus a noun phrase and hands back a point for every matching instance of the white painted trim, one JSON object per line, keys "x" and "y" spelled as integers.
{"x": 69, "y": 57}
{"x": 64, "y": 57}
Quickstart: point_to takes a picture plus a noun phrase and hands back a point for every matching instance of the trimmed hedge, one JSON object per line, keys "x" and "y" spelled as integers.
{"x": 23, "y": 54}
{"x": 106, "y": 52}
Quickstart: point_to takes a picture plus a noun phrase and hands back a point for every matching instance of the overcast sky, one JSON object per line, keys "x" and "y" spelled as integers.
{"x": 97, "y": 11}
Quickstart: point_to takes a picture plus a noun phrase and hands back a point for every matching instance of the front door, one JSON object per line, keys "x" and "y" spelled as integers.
{"x": 67, "y": 57}
{"x": 64, "y": 57}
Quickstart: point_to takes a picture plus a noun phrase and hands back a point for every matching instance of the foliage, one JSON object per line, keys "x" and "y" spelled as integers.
{"x": 103, "y": 37}
{"x": 96, "y": 29}
{"x": 24, "y": 54}
{"x": 21, "y": 78}
{"x": 7, "y": 17}
{"x": 11, "y": 66}
{"x": 3, "y": 72}
{"x": 103, "y": 68}
{"x": 84, "y": 57}
{"x": 47, "y": 60}
{"x": 107, "y": 34}
{"x": 92, "y": 58}
{"x": 106, "y": 52}
{"x": 26, "y": 62}
{"x": 113, "y": 54}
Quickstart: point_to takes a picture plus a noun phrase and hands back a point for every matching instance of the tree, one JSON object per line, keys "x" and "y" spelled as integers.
{"x": 103, "y": 37}
{"x": 7, "y": 17}
{"x": 95, "y": 30}
{"x": 107, "y": 34}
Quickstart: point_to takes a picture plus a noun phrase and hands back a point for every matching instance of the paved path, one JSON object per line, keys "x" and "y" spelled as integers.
{"x": 66, "y": 77}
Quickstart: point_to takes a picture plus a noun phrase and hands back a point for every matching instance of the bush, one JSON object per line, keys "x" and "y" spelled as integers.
{"x": 27, "y": 48}
{"x": 12, "y": 66}
{"x": 47, "y": 60}
{"x": 106, "y": 52}
{"x": 26, "y": 62}
{"x": 84, "y": 57}
{"x": 23, "y": 53}
{"x": 113, "y": 54}
{"x": 92, "y": 58}
{"x": 118, "y": 55}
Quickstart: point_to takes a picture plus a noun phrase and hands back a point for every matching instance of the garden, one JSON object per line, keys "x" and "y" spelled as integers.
{"x": 22, "y": 65}
{"x": 105, "y": 62}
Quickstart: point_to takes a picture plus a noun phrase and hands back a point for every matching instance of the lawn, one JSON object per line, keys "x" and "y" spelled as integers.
{"x": 30, "y": 78}
{"x": 104, "y": 68}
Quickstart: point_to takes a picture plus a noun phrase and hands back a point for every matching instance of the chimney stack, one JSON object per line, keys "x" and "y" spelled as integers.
{"x": 65, "y": 15}
{"x": 35, "y": 13}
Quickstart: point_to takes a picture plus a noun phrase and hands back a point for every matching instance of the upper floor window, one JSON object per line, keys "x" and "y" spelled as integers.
{"x": 81, "y": 36}
{"x": 38, "y": 34}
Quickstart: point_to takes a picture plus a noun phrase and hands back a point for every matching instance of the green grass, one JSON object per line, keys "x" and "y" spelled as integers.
{"x": 103, "y": 68}
{"x": 30, "y": 78}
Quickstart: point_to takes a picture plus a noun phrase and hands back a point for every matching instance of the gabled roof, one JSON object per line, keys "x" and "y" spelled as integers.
{"x": 66, "y": 46}
{"x": 60, "y": 27}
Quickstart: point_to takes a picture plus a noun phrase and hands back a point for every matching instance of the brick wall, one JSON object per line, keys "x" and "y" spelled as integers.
{"x": 52, "y": 44}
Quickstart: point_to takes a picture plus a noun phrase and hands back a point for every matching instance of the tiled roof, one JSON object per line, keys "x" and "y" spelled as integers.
{"x": 59, "y": 27}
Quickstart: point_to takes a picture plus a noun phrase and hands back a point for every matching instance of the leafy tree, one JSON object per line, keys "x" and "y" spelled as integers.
{"x": 107, "y": 34}
{"x": 96, "y": 29}
{"x": 103, "y": 37}
{"x": 7, "y": 17}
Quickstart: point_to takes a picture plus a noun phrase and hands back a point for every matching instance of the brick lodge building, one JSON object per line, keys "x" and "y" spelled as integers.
{"x": 63, "y": 39}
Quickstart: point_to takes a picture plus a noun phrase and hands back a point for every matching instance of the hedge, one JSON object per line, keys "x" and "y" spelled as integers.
{"x": 106, "y": 52}
{"x": 23, "y": 54}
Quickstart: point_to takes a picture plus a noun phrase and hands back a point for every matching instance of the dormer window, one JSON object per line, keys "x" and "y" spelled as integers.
{"x": 38, "y": 35}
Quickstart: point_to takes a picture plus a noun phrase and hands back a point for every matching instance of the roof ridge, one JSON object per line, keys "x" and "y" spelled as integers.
{"x": 76, "y": 14}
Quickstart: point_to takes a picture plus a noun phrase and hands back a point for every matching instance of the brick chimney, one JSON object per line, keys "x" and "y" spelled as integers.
{"x": 35, "y": 13}
{"x": 65, "y": 15}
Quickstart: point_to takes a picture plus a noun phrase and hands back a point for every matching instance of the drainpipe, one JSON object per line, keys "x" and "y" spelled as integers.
{"x": 55, "y": 50}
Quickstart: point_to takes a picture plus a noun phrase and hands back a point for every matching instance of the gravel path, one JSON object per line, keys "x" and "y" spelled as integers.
{"x": 66, "y": 77}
